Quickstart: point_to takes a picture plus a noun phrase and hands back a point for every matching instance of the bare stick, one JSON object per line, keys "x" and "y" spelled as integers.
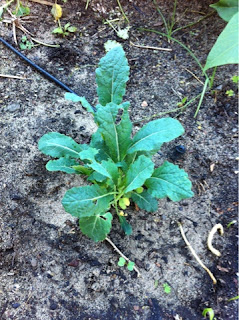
{"x": 43, "y": 2}
{"x": 210, "y": 237}
{"x": 122, "y": 255}
{"x": 149, "y": 47}
{"x": 195, "y": 255}
{"x": 13, "y": 77}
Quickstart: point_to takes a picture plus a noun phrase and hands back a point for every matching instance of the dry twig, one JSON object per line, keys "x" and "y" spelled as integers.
{"x": 149, "y": 47}
{"x": 13, "y": 77}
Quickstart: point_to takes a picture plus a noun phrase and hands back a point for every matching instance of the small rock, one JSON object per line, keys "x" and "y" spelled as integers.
{"x": 136, "y": 308}
{"x": 16, "y": 305}
{"x": 53, "y": 306}
{"x": 13, "y": 107}
{"x": 34, "y": 262}
{"x": 15, "y": 196}
{"x": 74, "y": 263}
{"x": 144, "y": 104}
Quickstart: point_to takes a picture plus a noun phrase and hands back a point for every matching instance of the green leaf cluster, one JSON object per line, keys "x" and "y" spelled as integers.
{"x": 117, "y": 165}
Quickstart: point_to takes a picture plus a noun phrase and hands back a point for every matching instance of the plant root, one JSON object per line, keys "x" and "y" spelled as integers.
{"x": 195, "y": 255}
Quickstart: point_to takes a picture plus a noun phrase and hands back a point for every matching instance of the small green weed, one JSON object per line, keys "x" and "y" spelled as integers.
{"x": 64, "y": 31}
{"x": 25, "y": 44}
{"x": 166, "y": 288}
{"x": 230, "y": 93}
{"x": 235, "y": 79}
{"x": 182, "y": 102}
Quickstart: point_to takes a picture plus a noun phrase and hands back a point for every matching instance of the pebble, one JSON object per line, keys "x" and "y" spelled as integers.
{"x": 34, "y": 262}
{"x": 13, "y": 107}
{"x": 144, "y": 104}
{"x": 16, "y": 305}
{"x": 53, "y": 306}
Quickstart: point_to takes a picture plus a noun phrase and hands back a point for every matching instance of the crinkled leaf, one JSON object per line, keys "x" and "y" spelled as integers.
{"x": 58, "y": 145}
{"x": 155, "y": 133}
{"x": 145, "y": 201}
{"x": 226, "y": 8}
{"x": 110, "y": 44}
{"x": 56, "y": 11}
{"x": 125, "y": 226}
{"x": 86, "y": 201}
{"x": 62, "y": 164}
{"x": 225, "y": 50}
{"x": 111, "y": 76}
{"x": 116, "y": 136}
{"x": 75, "y": 98}
{"x": 169, "y": 181}
{"x": 138, "y": 172}
{"x": 96, "y": 227}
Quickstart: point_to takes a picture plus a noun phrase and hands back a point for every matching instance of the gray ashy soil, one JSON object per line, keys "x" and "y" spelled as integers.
{"x": 49, "y": 270}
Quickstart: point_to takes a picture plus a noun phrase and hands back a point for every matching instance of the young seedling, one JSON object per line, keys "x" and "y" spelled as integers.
{"x": 63, "y": 31}
{"x": 166, "y": 288}
{"x": 209, "y": 312}
{"x": 25, "y": 44}
{"x": 118, "y": 166}
{"x": 230, "y": 93}
{"x": 182, "y": 102}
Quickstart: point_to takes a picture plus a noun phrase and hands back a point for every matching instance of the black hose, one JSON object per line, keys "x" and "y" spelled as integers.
{"x": 35, "y": 66}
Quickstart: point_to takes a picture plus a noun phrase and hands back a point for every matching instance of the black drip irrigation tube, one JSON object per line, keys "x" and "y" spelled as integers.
{"x": 35, "y": 66}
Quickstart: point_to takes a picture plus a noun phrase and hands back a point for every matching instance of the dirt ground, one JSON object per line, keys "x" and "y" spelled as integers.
{"x": 48, "y": 269}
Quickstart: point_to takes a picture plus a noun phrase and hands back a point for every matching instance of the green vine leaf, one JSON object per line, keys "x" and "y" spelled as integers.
{"x": 155, "y": 133}
{"x": 225, "y": 50}
{"x": 86, "y": 201}
{"x": 96, "y": 227}
{"x": 145, "y": 201}
{"x": 138, "y": 172}
{"x": 58, "y": 145}
{"x": 226, "y": 8}
{"x": 169, "y": 181}
{"x": 111, "y": 76}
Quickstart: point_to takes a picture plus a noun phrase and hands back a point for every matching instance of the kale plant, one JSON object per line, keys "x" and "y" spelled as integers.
{"x": 117, "y": 165}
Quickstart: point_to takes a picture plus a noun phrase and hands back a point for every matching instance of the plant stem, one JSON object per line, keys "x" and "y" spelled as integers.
{"x": 212, "y": 77}
{"x": 193, "y": 23}
{"x": 172, "y": 19}
{"x": 162, "y": 16}
{"x": 195, "y": 255}
{"x": 202, "y": 96}
{"x": 122, "y": 255}
{"x": 122, "y": 11}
